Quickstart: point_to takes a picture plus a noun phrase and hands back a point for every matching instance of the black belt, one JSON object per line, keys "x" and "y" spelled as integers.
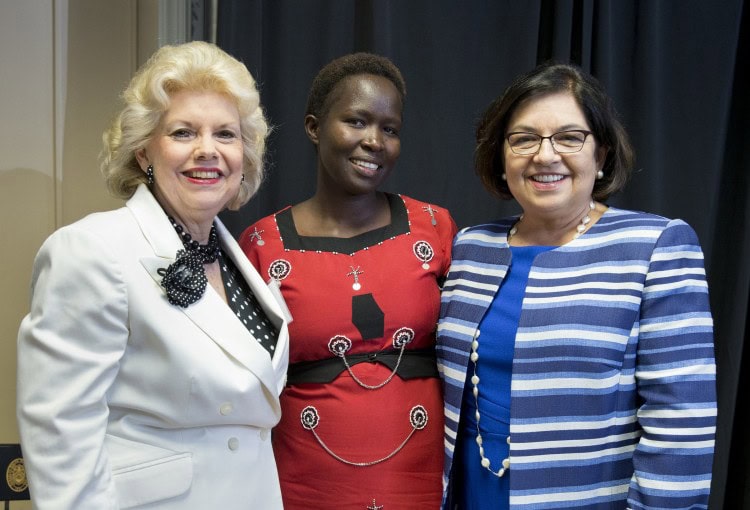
{"x": 414, "y": 363}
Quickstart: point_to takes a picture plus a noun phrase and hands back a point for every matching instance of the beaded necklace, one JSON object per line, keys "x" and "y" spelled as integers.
{"x": 580, "y": 228}
{"x": 474, "y": 356}
{"x": 208, "y": 252}
{"x": 475, "y": 390}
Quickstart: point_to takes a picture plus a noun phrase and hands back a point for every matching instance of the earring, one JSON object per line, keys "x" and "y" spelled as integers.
{"x": 504, "y": 177}
{"x": 150, "y": 175}
{"x": 600, "y": 174}
{"x": 243, "y": 177}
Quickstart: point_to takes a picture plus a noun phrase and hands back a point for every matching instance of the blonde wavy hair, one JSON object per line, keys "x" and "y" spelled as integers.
{"x": 195, "y": 66}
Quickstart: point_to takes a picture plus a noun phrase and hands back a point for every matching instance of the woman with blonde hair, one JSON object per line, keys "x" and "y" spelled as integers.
{"x": 151, "y": 362}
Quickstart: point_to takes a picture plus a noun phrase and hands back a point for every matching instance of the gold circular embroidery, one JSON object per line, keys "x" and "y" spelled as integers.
{"x": 15, "y": 475}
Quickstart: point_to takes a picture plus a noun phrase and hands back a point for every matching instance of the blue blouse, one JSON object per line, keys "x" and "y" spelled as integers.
{"x": 475, "y": 488}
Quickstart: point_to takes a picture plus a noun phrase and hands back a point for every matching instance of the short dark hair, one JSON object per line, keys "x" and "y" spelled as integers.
{"x": 596, "y": 105}
{"x": 350, "y": 65}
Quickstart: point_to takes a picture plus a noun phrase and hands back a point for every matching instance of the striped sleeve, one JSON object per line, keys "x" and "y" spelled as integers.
{"x": 675, "y": 375}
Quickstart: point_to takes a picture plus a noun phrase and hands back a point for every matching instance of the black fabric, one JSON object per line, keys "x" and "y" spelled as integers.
{"x": 677, "y": 71}
{"x": 293, "y": 241}
{"x": 368, "y": 317}
{"x": 414, "y": 363}
{"x": 245, "y": 305}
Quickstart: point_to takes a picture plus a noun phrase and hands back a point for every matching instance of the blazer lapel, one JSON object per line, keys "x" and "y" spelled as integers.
{"x": 210, "y": 313}
{"x": 273, "y": 305}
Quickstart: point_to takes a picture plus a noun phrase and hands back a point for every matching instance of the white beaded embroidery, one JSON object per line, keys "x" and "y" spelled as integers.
{"x": 310, "y": 420}
{"x": 279, "y": 269}
{"x": 424, "y": 252}
{"x": 339, "y": 345}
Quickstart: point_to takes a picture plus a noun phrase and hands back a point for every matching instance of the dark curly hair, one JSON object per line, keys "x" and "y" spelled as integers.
{"x": 318, "y": 100}
{"x": 596, "y": 105}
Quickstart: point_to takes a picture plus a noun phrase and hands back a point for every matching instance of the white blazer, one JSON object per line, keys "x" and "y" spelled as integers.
{"x": 127, "y": 401}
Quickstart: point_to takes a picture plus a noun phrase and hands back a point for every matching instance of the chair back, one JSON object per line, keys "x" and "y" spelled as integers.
{"x": 13, "y": 484}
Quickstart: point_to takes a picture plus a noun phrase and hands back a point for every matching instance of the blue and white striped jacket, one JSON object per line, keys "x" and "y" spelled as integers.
{"x": 613, "y": 400}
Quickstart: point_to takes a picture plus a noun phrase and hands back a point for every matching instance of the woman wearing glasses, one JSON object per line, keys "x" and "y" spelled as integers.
{"x": 592, "y": 383}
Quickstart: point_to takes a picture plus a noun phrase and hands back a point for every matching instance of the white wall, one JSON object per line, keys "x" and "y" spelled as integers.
{"x": 63, "y": 64}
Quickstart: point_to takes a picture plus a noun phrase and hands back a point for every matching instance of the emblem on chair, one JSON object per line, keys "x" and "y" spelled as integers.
{"x": 15, "y": 476}
{"x": 16, "y": 487}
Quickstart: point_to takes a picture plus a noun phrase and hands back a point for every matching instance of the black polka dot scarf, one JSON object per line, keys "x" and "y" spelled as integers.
{"x": 245, "y": 306}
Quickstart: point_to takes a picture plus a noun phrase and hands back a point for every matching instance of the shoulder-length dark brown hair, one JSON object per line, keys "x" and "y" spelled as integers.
{"x": 597, "y": 108}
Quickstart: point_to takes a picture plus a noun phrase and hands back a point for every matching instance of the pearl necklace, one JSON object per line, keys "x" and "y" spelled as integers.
{"x": 475, "y": 390}
{"x": 580, "y": 229}
{"x": 474, "y": 356}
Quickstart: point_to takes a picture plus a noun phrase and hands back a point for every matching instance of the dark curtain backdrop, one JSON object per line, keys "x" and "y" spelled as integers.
{"x": 677, "y": 71}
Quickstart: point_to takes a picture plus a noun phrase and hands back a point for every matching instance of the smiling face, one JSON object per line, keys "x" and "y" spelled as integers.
{"x": 358, "y": 138}
{"x": 196, "y": 153}
{"x": 548, "y": 184}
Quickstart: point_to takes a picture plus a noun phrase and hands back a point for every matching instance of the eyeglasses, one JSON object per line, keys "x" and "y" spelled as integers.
{"x": 563, "y": 142}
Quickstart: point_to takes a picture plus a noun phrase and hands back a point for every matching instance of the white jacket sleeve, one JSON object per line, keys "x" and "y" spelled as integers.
{"x": 69, "y": 347}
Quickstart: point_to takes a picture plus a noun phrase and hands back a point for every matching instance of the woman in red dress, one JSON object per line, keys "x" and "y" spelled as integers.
{"x": 360, "y": 270}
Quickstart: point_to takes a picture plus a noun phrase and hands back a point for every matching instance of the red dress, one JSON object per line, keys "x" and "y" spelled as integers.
{"x": 341, "y": 444}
